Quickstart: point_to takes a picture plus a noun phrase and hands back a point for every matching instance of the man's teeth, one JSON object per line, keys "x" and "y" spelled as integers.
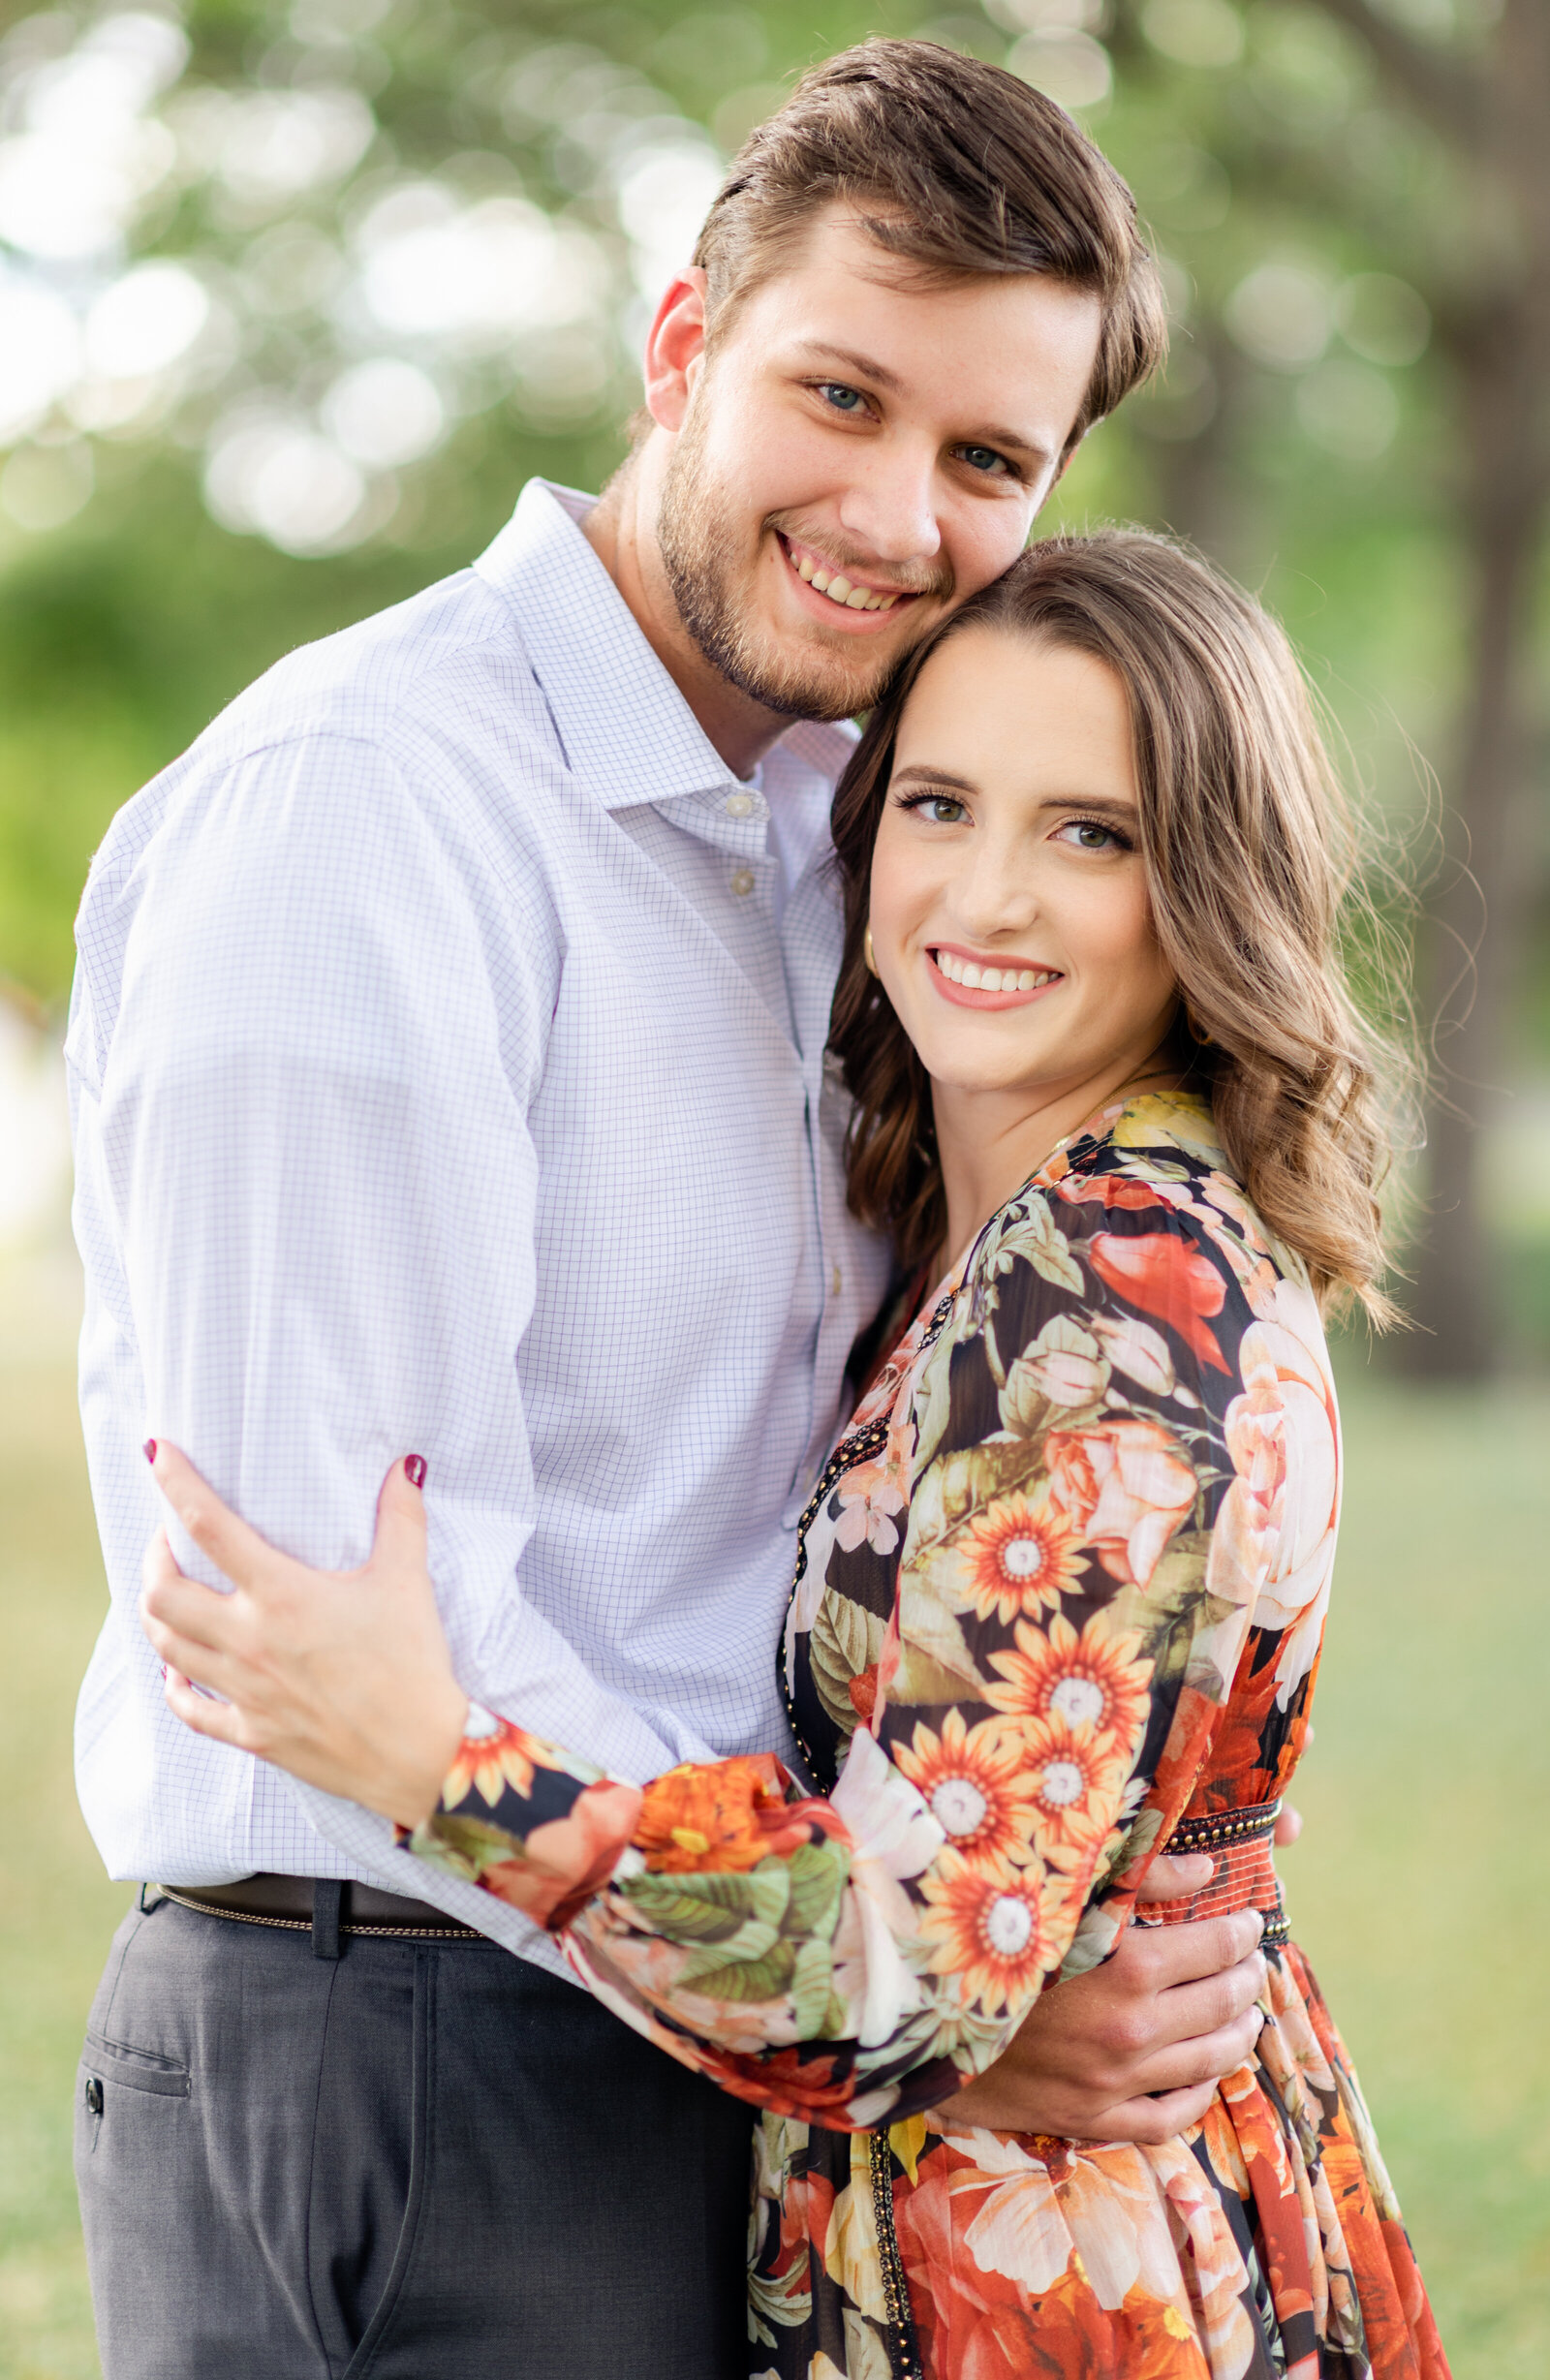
{"x": 839, "y": 590}
{"x": 975, "y": 978}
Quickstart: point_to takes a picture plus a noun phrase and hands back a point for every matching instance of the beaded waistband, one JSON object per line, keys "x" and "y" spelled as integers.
{"x": 1240, "y": 1841}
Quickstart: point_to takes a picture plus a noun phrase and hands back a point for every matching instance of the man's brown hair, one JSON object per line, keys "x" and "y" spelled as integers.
{"x": 955, "y": 167}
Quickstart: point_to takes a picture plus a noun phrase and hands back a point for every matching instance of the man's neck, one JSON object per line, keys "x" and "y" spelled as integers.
{"x": 621, "y": 530}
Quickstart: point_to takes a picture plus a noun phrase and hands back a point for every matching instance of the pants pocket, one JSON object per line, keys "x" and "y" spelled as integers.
{"x": 108, "y": 2064}
{"x": 120, "y": 2062}
{"x": 195, "y": 2078}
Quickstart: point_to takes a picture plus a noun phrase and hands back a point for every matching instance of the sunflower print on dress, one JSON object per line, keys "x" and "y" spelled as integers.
{"x": 1060, "y": 1591}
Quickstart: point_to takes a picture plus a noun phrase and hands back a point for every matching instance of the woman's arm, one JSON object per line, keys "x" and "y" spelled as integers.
{"x": 1069, "y": 1616}
{"x": 1066, "y": 1629}
{"x": 344, "y": 1680}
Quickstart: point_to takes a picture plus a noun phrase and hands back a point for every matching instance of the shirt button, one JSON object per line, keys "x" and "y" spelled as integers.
{"x": 738, "y": 805}
{"x": 836, "y": 1282}
{"x": 743, "y": 882}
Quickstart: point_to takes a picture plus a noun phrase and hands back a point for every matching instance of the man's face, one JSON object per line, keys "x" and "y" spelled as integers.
{"x": 861, "y": 451}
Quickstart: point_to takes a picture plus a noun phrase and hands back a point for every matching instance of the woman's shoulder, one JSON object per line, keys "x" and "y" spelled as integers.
{"x": 1120, "y": 1160}
{"x": 1136, "y": 1246}
{"x": 1166, "y": 1141}
{"x": 1146, "y": 1168}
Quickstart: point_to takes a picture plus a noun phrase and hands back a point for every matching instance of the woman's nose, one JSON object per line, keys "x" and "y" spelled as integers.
{"x": 994, "y": 894}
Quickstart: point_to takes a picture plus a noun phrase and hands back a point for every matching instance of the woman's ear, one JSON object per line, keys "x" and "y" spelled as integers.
{"x": 675, "y": 348}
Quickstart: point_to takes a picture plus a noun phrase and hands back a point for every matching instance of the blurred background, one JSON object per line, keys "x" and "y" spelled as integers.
{"x": 291, "y": 302}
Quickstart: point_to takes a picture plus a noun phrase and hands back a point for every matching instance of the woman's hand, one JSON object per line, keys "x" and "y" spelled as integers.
{"x": 342, "y": 1676}
{"x": 1134, "y": 2048}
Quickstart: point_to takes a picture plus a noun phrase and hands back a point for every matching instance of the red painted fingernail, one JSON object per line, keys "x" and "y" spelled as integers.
{"x": 415, "y": 1470}
{"x": 150, "y": 1450}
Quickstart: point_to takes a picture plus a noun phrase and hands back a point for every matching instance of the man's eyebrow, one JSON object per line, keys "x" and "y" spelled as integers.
{"x": 867, "y": 367}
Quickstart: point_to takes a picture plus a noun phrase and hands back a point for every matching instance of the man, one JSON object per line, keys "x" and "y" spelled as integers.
{"x": 447, "y": 1054}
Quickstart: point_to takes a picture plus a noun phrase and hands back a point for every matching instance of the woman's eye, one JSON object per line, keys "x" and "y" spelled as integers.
{"x": 984, "y": 459}
{"x": 844, "y": 400}
{"x": 943, "y": 811}
{"x": 1088, "y": 835}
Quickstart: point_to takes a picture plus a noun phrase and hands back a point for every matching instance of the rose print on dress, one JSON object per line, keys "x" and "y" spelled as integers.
{"x": 1062, "y": 1589}
{"x": 1126, "y": 1486}
{"x": 1164, "y": 1277}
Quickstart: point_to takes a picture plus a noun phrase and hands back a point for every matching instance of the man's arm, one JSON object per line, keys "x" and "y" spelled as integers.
{"x": 312, "y": 1135}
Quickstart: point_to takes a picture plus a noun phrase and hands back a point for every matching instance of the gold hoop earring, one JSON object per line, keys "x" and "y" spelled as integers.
{"x": 1195, "y": 1032}
{"x": 868, "y": 954}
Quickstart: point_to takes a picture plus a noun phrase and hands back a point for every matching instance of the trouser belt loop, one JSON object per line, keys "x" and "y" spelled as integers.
{"x": 328, "y": 1898}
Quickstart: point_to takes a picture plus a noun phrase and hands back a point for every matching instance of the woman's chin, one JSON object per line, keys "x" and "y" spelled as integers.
{"x": 995, "y": 1078}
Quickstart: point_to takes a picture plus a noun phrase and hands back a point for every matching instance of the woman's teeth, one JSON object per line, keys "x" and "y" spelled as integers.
{"x": 838, "y": 588}
{"x": 975, "y": 978}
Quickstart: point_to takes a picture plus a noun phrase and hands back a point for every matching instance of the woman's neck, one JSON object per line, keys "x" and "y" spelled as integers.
{"x": 988, "y": 1143}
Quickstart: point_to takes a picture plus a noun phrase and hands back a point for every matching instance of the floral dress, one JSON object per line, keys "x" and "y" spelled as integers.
{"x": 1059, "y": 1604}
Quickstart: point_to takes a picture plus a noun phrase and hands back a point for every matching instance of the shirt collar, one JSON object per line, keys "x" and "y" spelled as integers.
{"x": 627, "y": 731}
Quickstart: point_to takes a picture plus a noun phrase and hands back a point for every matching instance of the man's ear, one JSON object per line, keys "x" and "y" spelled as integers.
{"x": 1065, "y": 464}
{"x": 675, "y": 347}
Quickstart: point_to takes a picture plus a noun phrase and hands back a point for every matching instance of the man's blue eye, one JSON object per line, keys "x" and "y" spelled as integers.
{"x": 982, "y": 458}
{"x": 844, "y": 400}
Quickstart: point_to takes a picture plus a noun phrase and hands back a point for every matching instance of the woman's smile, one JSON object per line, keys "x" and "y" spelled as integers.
{"x": 975, "y": 980}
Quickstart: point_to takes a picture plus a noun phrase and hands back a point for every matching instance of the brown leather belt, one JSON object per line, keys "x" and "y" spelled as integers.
{"x": 291, "y": 1903}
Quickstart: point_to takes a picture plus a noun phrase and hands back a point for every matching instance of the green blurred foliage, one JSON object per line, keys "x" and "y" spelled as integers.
{"x": 1333, "y": 247}
{"x": 126, "y": 628}
{"x": 122, "y": 631}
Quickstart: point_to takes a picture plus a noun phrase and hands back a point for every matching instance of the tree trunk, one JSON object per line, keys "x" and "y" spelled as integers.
{"x": 1202, "y": 492}
{"x": 1486, "y": 883}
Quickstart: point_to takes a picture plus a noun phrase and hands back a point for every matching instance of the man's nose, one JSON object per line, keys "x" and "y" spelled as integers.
{"x": 889, "y": 505}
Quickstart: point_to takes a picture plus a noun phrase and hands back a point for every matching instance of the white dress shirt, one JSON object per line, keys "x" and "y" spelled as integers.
{"x": 446, "y": 1080}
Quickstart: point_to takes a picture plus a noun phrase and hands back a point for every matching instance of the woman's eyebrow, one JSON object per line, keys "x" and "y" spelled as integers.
{"x": 1097, "y": 805}
{"x": 923, "y": 773}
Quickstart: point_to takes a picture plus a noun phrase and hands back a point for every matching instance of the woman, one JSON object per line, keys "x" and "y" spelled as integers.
{"x": 1061, "y": 1588}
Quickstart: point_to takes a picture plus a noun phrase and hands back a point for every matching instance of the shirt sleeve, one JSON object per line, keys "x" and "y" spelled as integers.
{"x": 1074, "y": 1597}
{"x": 311, "y": 1145}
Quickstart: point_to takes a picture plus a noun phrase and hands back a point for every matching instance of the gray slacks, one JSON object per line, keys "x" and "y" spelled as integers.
{"x": 417, "y": 2161}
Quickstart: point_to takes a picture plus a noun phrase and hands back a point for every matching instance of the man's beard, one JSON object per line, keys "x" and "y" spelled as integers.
{"x": 697, "y": 541}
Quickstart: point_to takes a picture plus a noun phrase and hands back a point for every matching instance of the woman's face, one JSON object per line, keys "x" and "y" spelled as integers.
{"x": 1009, "y": 914}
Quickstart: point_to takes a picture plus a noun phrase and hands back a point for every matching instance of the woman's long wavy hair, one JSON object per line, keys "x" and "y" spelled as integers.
{"x": 1249, "y": 852}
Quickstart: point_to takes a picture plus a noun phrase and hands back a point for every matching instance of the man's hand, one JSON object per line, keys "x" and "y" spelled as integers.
{"x": 1134, "y": 2050}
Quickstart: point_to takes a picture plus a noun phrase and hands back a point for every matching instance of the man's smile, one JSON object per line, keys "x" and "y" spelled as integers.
{"x": 837, "y": 589}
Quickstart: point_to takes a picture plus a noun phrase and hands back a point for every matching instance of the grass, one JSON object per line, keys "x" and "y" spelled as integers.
{"x": 1419, "y": 1888}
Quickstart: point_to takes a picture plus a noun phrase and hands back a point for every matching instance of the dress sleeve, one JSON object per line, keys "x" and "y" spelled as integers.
{"x": 1074, "y": 1597}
